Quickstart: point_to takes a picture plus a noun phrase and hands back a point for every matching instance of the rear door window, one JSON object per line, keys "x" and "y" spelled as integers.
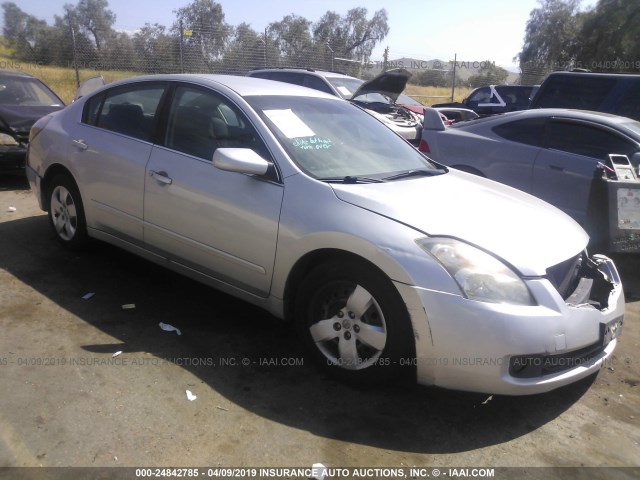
{"x": 129, "y": 110}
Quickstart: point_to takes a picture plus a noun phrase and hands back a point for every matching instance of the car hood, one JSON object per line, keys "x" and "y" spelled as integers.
{"x": 391, "y": 83}
{"x": 524, "y": 231}
{"x": 21, "y": 118}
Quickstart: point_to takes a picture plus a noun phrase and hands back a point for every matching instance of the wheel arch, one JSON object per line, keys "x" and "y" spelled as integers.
{"x": 52, "y": 172}
{"x": 308, "y": 262}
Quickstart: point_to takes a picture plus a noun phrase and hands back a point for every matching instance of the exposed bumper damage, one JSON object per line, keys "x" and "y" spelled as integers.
{"x": 519, "y": 350}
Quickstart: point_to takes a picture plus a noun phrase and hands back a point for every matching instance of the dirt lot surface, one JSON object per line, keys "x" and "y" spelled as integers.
{"x": 67, "y": 401}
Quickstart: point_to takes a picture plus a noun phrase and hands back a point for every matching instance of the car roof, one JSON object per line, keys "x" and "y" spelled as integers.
{"x": 13, "y": 73}
{"x": 321, "y": 73}
{"x": 243, "y": 86}
{"x": 599, "y": 117}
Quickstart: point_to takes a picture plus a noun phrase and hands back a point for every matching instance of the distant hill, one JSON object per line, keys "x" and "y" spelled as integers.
{"x": 463, "y": 69}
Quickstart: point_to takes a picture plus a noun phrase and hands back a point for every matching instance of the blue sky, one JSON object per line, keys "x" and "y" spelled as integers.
{"x": 422, "y": 29}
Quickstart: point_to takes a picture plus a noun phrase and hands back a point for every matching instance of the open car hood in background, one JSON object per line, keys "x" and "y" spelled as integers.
{"x": 89, "y": 86}
{"x": 390, "y": 83}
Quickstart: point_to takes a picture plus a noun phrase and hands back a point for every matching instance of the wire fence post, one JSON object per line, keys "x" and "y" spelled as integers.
{"x": 75, "y": 58}
{"x": 453, "y": 82}
{"x": 181, "y": 42}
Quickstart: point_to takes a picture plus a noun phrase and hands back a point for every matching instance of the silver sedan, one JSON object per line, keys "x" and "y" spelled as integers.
{"x": 389, "y": 265}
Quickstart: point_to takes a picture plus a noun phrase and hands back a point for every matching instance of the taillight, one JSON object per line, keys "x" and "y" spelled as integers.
{"x": 38, "y": 127}
{"x": 424, "y": 146}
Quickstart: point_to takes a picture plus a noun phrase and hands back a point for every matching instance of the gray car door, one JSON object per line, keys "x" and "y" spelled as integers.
{"x": 223, "y": 224}
{"x": 565, "y": 169}
{"x": 110, "y": 148}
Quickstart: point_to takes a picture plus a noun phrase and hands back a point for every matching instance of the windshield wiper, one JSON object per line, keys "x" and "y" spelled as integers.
{"x": 414, "y": 173}
{"x": 351, "y": 179}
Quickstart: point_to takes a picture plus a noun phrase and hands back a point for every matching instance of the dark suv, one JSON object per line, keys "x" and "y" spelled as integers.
{"x": 618, "y": 94}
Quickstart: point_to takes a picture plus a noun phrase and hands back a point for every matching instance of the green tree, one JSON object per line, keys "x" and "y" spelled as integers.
{"x": 610, "y": 36}
{"x": 245, "y": 51}
{"x": 292, "y": 38}
{"x": 208, "y": 31}
{"x": 551, "y": 38}
{"x": 488, "y": 74}
{"x": 94, "y": 17}
{"x": 156, "y": 49}
{"x": 23, "y": 32}
{"x": 353, "y": 36}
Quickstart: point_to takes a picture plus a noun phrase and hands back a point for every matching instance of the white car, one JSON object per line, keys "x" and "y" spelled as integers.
{"x": 389, "y": 265}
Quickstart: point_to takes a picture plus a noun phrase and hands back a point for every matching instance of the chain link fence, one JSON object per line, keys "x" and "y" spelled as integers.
{"x": 156, "y": 49}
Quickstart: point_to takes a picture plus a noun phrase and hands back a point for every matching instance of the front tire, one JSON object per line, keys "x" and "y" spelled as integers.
{"x": 66, "y": 213}
{"x": 354, "y": 324}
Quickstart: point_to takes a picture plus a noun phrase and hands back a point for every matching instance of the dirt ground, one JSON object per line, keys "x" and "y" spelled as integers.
{"x": 67, "y": 401}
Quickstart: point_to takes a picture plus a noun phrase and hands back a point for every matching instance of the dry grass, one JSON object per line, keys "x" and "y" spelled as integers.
{"x": 431, "y": 95}
{"x": 61, "y": 80}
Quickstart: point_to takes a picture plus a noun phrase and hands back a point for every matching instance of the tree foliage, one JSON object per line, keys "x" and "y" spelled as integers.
{"x": 559, "y": 36}
{"x": 200, "y": 39}
{"x": 207, "y": 30}
{"x": 488, "y": 74}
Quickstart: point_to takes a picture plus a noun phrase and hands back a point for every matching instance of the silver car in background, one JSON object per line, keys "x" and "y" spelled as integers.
{"x": 550, "y": 153}
{"x": 389, "y": 265}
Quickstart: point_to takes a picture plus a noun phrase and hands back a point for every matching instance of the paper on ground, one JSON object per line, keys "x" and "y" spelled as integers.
{"x": 169, "y": 328}
{"x": 190, "y": 396}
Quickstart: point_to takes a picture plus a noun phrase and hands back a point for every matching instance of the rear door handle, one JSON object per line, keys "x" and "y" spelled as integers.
{"x": 80, "y": 144}
{"x": 162, "y": 177}
{"x": 556, "y": 167}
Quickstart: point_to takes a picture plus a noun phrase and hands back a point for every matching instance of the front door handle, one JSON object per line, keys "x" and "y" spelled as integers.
{"x": 162, "y": 177}
{"x": 80, "y": 144}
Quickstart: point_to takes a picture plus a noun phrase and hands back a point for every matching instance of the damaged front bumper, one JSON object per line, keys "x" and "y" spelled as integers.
{"x": 517, "y": 350}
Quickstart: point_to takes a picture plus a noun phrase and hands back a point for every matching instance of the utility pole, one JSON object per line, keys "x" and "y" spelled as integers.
{"x": 453, "y": 83}
{"x": 385, "y": 59}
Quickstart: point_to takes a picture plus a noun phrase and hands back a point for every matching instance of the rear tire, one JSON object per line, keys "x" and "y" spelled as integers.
{"x": 66, "y": 212}
{"x": 354, "y": 324}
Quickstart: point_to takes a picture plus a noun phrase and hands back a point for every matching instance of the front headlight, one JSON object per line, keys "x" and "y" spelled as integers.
{"x": 7, "y": 140}
{"x": 479, "y": 275}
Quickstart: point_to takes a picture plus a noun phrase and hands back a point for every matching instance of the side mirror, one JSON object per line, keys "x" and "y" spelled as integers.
{"x": 240, "y": 160}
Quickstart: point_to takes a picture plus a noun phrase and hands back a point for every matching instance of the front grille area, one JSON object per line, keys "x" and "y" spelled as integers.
{"x": 566, "y": 275}
{"x": 579, "y": 280}
{"x": 534, "y": 366}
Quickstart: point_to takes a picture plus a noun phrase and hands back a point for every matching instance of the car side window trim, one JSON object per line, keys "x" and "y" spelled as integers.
{"x": 118, "y": 90}
{"x": 584, "y": 123}
{"x": 165, "y": 113}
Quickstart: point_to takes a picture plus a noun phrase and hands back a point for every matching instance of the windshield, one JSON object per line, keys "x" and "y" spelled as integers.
{"x": 26, "y": 92}
{"x": 373, "y": 97}
{"x": 346, "y": 86}
{"x": 329, "y": 138}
